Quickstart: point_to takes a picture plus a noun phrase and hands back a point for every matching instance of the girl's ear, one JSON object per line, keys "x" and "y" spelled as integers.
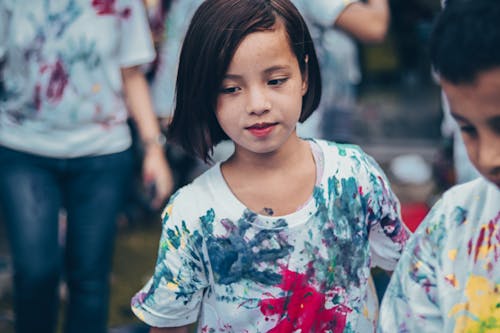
{"x": 305, "y": 76}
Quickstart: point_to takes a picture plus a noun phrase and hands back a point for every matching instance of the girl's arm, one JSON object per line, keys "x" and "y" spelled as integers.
{"x": 182, "y": 329}
{"x": 155, "y": 167}
{"x": 365, "y": 21}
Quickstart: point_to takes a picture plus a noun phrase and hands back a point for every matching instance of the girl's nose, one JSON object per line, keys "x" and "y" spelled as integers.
{"x": 258, "y": 101}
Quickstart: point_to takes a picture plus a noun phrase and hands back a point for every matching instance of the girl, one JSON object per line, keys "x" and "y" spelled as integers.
{"x": 281, "y": 236}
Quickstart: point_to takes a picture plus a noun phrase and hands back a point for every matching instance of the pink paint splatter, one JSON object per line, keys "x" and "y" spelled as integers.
{"x": 107, "y": 7}
{"x": 487, "y": 240}
{"x": 104, "y": 7}
{"x": 57, "y": 82}
{"x": 303, "y": 308}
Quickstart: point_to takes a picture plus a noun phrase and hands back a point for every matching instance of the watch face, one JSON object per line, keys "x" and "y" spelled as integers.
{"x": 159, "y": 140}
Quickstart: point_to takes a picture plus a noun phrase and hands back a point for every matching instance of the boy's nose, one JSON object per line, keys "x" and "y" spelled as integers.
{"x": 488, "y": 157}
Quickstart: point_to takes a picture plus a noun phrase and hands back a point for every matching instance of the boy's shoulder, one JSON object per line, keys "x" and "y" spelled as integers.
{"x": 473, "y": 193}
{"x": 475, "y": 202}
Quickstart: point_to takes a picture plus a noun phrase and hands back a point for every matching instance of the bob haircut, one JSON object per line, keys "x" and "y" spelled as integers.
{"x": 215, "y": 32}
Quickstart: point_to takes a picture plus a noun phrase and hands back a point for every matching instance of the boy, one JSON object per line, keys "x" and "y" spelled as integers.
{"x": 448, "y": 279}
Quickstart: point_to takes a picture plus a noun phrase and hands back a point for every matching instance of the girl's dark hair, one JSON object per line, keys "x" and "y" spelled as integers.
{"x": 216, "y": 30}
{"x": 465, "y": 40}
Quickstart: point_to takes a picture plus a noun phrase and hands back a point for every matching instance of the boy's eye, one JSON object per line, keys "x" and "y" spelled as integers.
{"x": 229, "y": 90}
{"x": 495, "y": 125}
{"x": 467, "y": 129}
{"x": 276, "y": 82}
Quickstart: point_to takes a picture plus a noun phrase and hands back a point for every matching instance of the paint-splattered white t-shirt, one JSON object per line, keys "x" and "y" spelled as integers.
{"x": 448, "y": 279}
{"x": 237, "y": 271}
{"x": 61, "y": 86}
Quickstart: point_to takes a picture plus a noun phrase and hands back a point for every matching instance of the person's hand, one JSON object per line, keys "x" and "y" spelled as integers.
{"x": 156, "y": 174}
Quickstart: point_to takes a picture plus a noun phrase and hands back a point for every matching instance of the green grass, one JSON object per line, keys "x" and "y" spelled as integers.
{"x": 135, "y": 256}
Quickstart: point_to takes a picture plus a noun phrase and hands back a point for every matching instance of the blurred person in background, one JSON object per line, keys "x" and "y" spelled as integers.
{"x": 176, "y": 21}
{"x": 70, "y": 79}
{"x": 336, "y": 26}
{"x": 176, "y": 18}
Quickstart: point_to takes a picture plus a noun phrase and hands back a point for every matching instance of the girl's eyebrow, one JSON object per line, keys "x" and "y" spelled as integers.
{"x": 269, "y": 70}
{"x": 276, "y": 68}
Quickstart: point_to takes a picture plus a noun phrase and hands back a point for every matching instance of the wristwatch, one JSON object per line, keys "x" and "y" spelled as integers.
{"x": 159, "y": 140}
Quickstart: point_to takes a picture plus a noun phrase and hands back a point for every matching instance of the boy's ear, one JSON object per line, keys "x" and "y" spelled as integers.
{"x": 305, "y": 76}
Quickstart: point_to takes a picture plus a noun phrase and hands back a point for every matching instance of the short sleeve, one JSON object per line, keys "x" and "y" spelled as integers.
{"x": 173, "y": 296}
{"x": 387, "y": 232}
{"x": 136, "y": 44}
{"x": 323, "y": 12}
{"x": 411, "y": 302}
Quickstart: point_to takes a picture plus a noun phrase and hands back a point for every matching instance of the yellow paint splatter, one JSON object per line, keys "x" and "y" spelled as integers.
{"x": 452, "y": 254}
{"x": 167, "y": 210}
{"x": 171, "y": 286}
{"x": 452, "y": 280}
{"x": 481, "y": 312}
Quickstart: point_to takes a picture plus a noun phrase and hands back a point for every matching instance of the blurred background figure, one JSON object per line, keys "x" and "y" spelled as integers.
{"x": 176, "y": 17}
{"x": 336, "y": 27}
{"x": 411, "y": 22}
{"x": 71, "y": 77}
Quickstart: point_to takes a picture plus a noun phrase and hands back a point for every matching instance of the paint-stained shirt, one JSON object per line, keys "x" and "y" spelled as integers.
{"x": 234, "y": 270}
{"x": 60, "y": 82}
{"x": 448, "y": 279}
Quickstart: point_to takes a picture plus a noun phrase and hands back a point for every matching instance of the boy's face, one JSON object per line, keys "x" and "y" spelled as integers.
{"x": 476, "y": 108}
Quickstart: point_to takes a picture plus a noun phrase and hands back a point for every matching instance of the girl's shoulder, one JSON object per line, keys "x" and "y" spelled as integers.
{"x": 340, "y": 149}
{"x": 202, "y": 194}
{"x": 346, "y": 155}
{"x": 199, "y": 187}
{"x": 478, "y": 198}
{"x": 348, "y": 162}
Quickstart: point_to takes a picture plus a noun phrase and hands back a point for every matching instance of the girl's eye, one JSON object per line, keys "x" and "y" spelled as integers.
{"x": 229, "y": 90}
{"x": 277, "y": 82}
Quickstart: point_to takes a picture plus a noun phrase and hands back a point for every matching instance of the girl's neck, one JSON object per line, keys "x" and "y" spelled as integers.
{"x": 291, "y": 153}
{"x": 280, "y": 182}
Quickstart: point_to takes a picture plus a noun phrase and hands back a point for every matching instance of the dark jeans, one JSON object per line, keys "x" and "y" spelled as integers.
{"x": 32, "y": 191}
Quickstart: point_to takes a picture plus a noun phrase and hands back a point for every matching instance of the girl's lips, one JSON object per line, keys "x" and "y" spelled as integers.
{"x": 261, "y": 130}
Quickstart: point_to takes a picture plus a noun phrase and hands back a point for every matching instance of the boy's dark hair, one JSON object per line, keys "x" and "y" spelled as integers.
{"x": 215, "y": 32}
{"x": 465, "y": 40}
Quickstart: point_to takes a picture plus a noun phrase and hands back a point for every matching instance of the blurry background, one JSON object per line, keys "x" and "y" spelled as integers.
{"x": 397, "y": 121}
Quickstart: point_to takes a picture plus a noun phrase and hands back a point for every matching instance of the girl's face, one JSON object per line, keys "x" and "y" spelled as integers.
{"x": 260, "y": 100}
